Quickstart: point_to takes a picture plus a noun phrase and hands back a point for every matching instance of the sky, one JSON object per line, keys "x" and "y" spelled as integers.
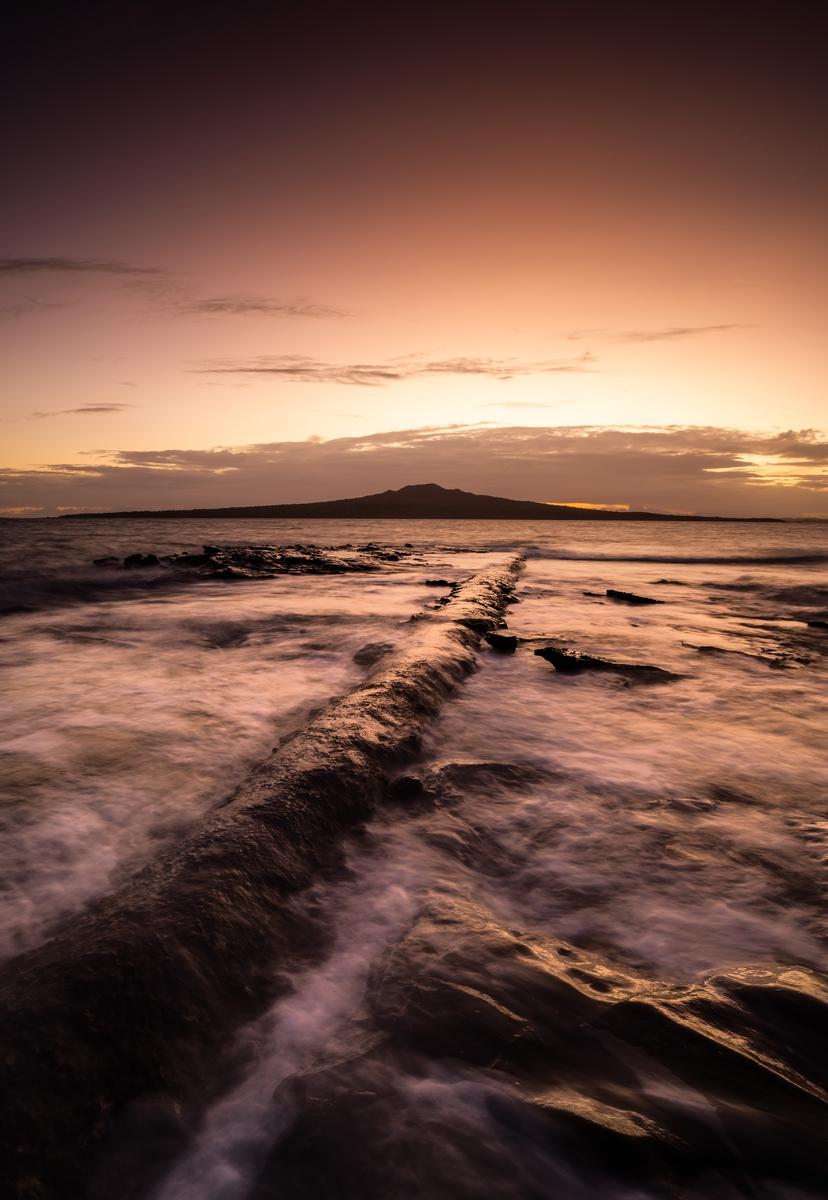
{"x": 262, "y": 253}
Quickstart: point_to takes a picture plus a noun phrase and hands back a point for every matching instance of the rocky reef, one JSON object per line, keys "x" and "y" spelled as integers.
{"x": 571, "y": 662}
{"x": 545, "y": 1045}
{"x": 108, "y": 1031}
{"x": 258, "y": 562}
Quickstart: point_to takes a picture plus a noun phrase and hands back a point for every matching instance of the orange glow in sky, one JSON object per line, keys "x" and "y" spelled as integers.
{"x": 531, "y": 225}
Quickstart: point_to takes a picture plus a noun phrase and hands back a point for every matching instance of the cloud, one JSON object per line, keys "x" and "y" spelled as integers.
{"x": 169, "y": 295}
{"x": 709, "y": 470}
{"x": 258, "y": 306}
{"x": 668, "y": 333}
{"x": 296, "y": 369}
{"x": 97, "y": 266}
{"x": 162, "y": 289}
{"x": 524, "y": 404}
{"x": 82, "y": 410}
{"x": 29, "y": 307}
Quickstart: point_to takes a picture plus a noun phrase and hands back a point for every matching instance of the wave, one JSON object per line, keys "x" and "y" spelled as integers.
{"x": 710, "y": 559}
{"x": 197, "y": 930}
{"x": 33, "y": 591}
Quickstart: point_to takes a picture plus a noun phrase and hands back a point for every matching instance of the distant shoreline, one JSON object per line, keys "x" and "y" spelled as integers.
{"x": 208, "y": 514}
{"x": 414, "y": 502}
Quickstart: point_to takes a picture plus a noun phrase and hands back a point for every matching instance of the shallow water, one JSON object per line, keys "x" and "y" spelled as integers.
{"x": 664, "y": 840}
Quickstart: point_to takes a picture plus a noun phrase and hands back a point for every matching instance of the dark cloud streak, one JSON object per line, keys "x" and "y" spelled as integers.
{"x": 296, "y": 369}
{"x": 265, "y": 306}
{"x": 82, "y": 410}
{"x": 669, "y": 333}
{"x": 161, "y": 287}
{"x": 94, "y": 266}
{"x": 29, "y": 307}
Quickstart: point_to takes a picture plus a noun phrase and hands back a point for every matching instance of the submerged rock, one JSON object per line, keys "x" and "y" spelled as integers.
{"x": 630, "y": 597}
{"x": 569, "y": 662}
{"x": 191, "y": 560}
{"x": 495, "y": 1062}
{"x": 371, "y": 653}
{"x": 783, "y": 661}
{"x": 136, "y": 561}
{"x": 502, "y": 643}
{"x": 261, "y": 562}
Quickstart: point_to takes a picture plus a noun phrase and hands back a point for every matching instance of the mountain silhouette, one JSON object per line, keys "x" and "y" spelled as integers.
{"x": 416, "y": 501}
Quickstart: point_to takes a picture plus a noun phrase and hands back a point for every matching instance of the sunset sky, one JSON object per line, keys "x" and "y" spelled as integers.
{"x": 258, "y": 253}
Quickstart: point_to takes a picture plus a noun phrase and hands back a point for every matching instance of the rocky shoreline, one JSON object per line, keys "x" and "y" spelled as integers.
{"x": 134, "y": 999}
{"x": 258, "y": 562}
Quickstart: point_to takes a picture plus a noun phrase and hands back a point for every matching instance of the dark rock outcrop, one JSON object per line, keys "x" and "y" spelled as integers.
{"x": 502, "y": 643}
{"x": 261, "y": 562}
{"x": 531, "y": 1055}
{"x": 134, "y": 562}
{"x": 630, "y": 597}
{"x": 371, "y": 653}
{"x": 569, "y": 662}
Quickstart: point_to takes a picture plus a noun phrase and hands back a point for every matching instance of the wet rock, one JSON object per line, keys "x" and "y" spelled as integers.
{"x": 630, "y": 597}
{"x": 371, "y": 653}
{"x": 454, "y": 780}
{"x": 263, "y": 562}
{"x": 477, "y": 624}
{"x": 109, "y": 560}
{"x": 409, "y": 792}
{"x": 137, "y": 996}
{"x": 569, "y": 662}
{"x": 817, "y": 624}
{"x": 534, "y": 1013}
{"x": 191, "y": 560}
{"x": 137, "y": 561}
{"x": 438, "y": 583}
{"x": 777, "y": 662}
{"x": 502, "y": 643}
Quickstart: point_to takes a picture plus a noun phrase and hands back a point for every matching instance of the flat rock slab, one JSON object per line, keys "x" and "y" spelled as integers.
{"x": 569, "y": 662}
{"x": 629, "y": 597}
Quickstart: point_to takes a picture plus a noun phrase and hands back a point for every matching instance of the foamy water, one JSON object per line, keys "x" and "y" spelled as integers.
{"x": 126, "y": 720}
{"x": 673, "y": 832}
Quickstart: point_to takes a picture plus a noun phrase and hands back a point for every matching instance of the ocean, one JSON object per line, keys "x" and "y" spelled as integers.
{"x": 570, "y": 937}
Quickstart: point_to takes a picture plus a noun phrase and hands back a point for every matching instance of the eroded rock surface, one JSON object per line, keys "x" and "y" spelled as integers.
{"x": 496, "y": 1061}
{"x": 630, "y": 597}
{"x": 570, "y": 662}
{"x": 136, "y": 998}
